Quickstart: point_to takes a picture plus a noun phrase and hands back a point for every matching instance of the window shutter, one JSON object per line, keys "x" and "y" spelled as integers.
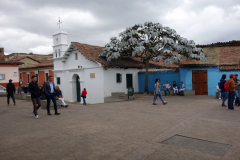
{"x": 58, "y": 80}
{"x": 119, "y": 78}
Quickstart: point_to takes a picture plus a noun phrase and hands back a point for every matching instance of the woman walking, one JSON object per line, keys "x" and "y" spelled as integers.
{"x": 157, "y": 92}
{"x": 223, "y": 91}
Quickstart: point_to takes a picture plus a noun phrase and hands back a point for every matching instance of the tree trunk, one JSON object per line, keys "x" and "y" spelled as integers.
{"x": 146, "y": 76}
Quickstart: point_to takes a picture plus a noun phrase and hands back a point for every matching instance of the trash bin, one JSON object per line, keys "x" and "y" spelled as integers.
{"x": 131, "y": 92}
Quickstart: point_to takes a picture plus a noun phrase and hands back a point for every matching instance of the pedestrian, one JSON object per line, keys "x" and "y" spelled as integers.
{"x": 219, "y": 91}
{"x": 49, "y": 90}
{"x": 20, "y": 82}
{"x": 174, "y": 86}
{"x": 20, "y": 90}
{"x": 84, "y": 94}
{"x": 35, "y": 95}
{"x": 223, "y": 90}
{"x": 182, "y": 88}
{"x": 231, "y": 94}
{"x": 237, "y": 91}
{"x": 10, "y": 91}
{"x": 60, "y": 97}
{"x": 167, "y": 88}
{"x": 157, "y": 92}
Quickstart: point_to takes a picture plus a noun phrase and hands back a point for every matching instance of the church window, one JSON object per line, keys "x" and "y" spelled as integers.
{"x": 76, "y": 56}
{"x": 119, "y": 77}
{"x": 56, "y": 53}
{"x": 58, "y": 80}
{"x": 56, "y": 40}
{"x": 59, "y": 52}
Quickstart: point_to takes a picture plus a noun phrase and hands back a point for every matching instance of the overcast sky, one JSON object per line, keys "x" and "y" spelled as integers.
{"x": 27, "y": 25}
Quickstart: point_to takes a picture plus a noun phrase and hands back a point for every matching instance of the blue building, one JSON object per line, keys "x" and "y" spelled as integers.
{"x": 202, "y": 77}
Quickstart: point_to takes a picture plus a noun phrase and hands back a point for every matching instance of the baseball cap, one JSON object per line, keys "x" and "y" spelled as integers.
{"x": 236, "y": 74}
{"x": 231, "y": 75}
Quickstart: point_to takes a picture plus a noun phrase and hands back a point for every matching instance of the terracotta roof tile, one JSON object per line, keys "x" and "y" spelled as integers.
{"x": 92, "y": 53}
{"x": 221, "y": 44}
{"x": 229, "y": 67}
{"x": 11, "y": 62}
{"x": 18, "y": 59}
{"x": 40, "y": 65}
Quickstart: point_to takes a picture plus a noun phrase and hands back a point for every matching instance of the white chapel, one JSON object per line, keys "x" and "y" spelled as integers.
{"x": 78, "y": 66}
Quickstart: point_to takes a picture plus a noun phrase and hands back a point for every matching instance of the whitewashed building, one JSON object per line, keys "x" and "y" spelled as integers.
{"x": 78, "y": 66}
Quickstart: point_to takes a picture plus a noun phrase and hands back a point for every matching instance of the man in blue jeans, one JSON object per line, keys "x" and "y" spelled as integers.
{"x": 49, "y": 89}
{"x": 237, "y": 90}
{"x": 167, "y": 88}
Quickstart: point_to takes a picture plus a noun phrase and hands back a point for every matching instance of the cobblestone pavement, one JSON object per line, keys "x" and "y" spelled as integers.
{"x": 125, "y": 130}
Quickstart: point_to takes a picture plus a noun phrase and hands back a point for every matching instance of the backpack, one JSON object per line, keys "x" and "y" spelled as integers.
{"x": 227, "y": 87}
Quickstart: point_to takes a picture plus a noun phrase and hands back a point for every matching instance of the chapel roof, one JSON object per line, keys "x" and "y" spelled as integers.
{"x": 92, "y": 53}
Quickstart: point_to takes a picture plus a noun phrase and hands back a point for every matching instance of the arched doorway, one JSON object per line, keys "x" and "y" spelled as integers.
{"x": 78, "y": 88}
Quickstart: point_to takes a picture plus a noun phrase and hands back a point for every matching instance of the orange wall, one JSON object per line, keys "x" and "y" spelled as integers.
{"x": 41, "y": 75}
{"x": 24, "y": 77}
{"x": 51, "y": 73}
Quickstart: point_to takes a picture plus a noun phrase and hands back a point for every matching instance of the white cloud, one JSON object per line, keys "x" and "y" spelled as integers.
{"x": 27, "y": 26}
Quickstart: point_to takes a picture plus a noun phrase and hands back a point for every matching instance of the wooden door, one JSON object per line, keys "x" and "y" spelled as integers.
{"x": 199, "y": 82}
{"x": 78, "y": 89}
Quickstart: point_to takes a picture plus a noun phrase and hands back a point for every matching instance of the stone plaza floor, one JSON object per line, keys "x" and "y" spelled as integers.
{"x": 194, "y": 128}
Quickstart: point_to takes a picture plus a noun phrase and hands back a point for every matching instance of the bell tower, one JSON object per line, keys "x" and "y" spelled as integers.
{"x": 60, "y": 44}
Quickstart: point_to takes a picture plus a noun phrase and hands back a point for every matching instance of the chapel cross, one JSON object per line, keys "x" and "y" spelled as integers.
{"x": 59, "y": 22}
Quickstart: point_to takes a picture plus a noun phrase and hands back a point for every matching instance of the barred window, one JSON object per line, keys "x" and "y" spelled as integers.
{"x": 119, "y": 77}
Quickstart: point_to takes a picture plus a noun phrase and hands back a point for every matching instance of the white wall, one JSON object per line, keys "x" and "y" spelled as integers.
{"x": 110, "y": 82}
{"x": 94, "y": 86}
{"x": 72, "y": 63}
{"x": 10, "y": 73}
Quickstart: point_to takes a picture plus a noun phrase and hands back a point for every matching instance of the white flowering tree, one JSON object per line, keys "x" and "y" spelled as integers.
{"x": 152, "y": 41}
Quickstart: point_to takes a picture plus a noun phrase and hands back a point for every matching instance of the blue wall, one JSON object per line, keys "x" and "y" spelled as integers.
{"x": 185, "y": 74}
{"x": 213, "y": 77}
{"x": 164, "y": 76}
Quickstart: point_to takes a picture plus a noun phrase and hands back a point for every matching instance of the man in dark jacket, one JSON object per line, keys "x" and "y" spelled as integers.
{"x": 223, "y": 91}
{"x": 10, "y": 91}
{"x": 49, "y": 90}
{"x": 35, "y": 95}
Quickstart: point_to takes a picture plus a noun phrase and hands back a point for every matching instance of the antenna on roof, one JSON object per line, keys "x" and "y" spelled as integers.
{"x": 59, "y": 22}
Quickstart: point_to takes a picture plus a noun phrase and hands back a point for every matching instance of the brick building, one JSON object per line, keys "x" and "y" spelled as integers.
{"x": 30, "y": 66}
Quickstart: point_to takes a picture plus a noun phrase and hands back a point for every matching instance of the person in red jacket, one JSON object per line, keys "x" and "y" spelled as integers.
{"x": 84, "y": 94}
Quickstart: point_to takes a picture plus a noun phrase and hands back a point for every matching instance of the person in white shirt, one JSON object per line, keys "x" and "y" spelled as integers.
{"x": 219, "y": 91}
{"x": 175, "y": 89}
{"x": 167, "y": 88}
{"x": 182, "y": 88}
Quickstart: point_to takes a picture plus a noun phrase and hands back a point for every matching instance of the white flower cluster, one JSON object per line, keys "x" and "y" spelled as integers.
{"x": 152, "y": 41}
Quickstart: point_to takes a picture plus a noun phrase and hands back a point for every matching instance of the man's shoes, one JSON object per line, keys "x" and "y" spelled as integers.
{"x": 219, "y": 98}
{"x": 57, "y": 113}
{"x": 169, "y": 95}
{"x": 234, "y": 109}
{"x": 36, "y": 116}
{"x": 49, "y": 114}
{"x": 154, "y": 104}
{"x": 164, "y": 103}
{"x": 224, "y": 106}
{"x": 66, "y": 106}
{"x": 14, "y": 104}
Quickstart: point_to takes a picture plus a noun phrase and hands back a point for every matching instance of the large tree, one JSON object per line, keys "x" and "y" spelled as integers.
{"x": 152, "y": 41}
